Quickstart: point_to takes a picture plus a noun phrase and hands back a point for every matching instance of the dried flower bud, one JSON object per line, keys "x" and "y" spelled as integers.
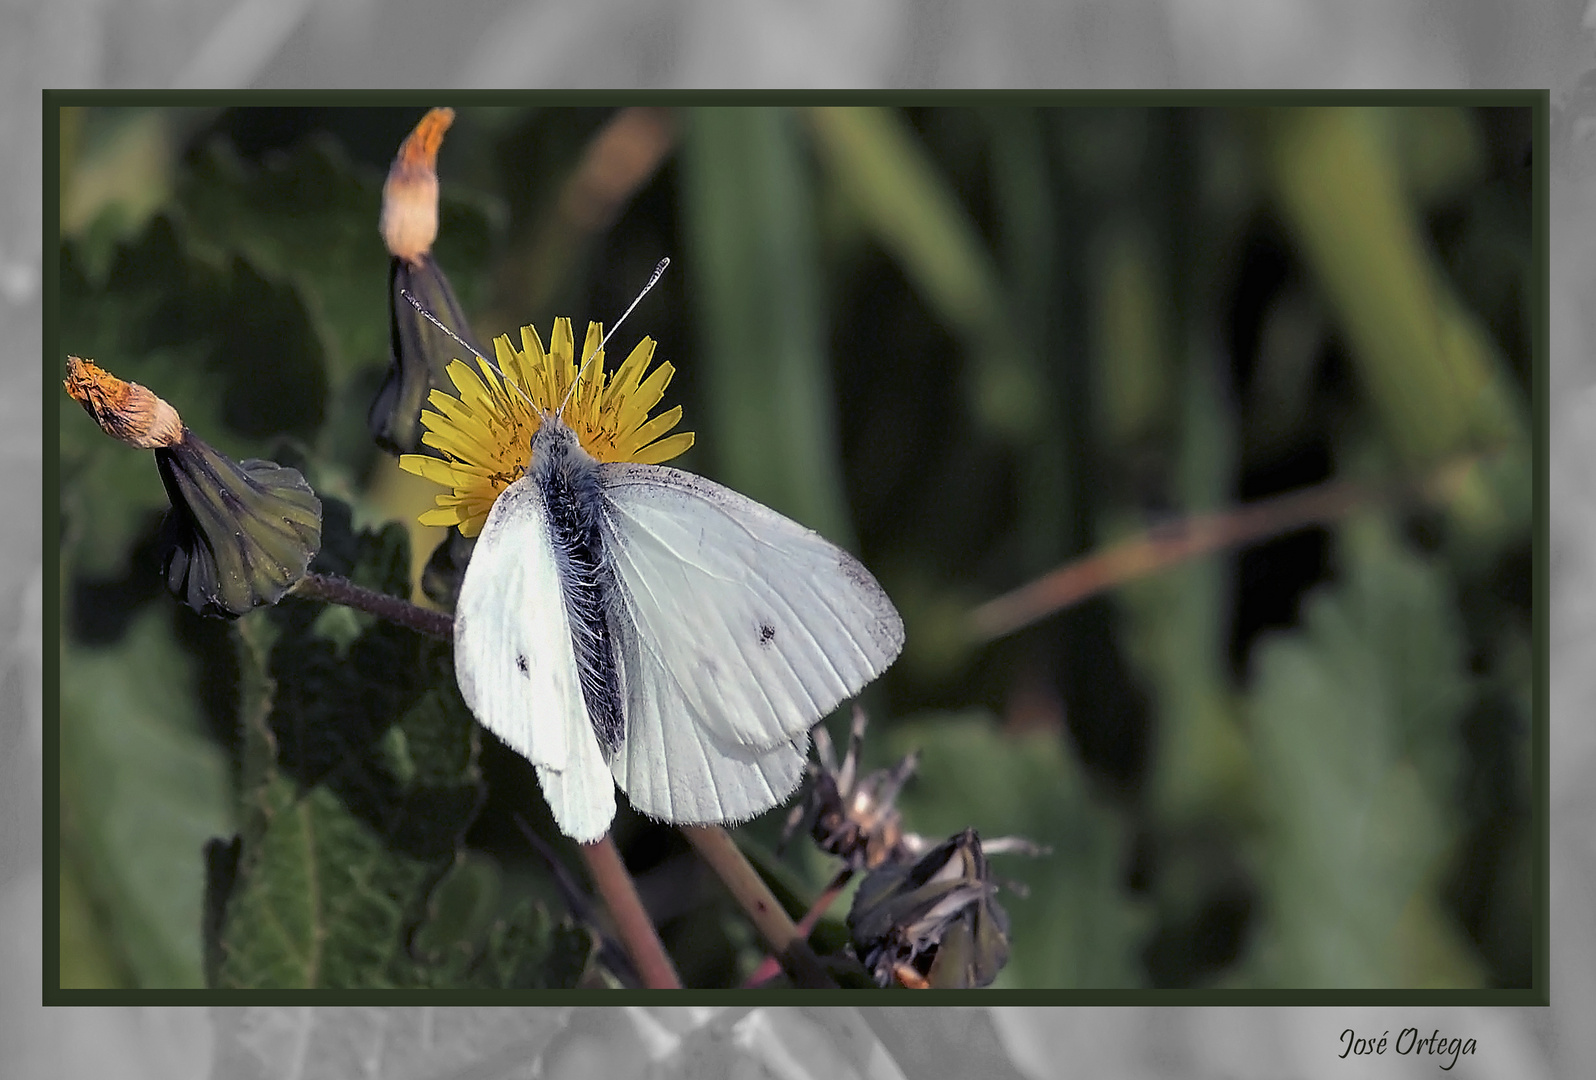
{"x": 856, "y": 817}
{"x": 124, "y": 410}
{"x": 933, "y": 924}
{"x": 419, "y": 352}
{"x": 409, "y": 222}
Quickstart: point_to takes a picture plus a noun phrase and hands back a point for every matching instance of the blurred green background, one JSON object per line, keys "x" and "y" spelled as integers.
{"x": 970, "y": 343}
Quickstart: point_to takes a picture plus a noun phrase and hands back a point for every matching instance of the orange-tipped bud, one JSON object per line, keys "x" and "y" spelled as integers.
{"x": 124, "y": 410}
{"x": 409, "y": 222}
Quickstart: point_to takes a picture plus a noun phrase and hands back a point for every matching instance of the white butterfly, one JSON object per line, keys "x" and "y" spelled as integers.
{"x": 636, "y": 625}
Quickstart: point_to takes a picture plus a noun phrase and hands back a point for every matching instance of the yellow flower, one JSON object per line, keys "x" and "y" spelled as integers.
{"x": 485, "y": 433}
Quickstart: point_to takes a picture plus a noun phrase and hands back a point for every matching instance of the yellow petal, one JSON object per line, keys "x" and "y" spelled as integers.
{"x": 648, "y": 395}
{"x": 650, "y": 431}
{"x": 467, "y": 382}
{"x": 562, "y": 347}
{"x": 485, "y": 429}
{"x": 665, "y": 449}
{"x": 428, "y": 467}
{"x": 624, "y": 382}
{"x": 442, "y": 517}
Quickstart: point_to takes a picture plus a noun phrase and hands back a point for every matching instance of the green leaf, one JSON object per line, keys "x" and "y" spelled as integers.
{"x": 1431, "y": 374}
{"x": 360, "y": 781}
{"x": 308, "y": 217}
{"x": 1355, "y": 729}
{"x": 142, "y": 789}
{"x": 1076, "y": 928}
{"x": 87, "y": 949}
{"x": 317, "y": 901}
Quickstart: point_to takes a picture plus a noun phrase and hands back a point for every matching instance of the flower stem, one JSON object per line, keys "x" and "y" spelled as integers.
{"x": 632, "y": 924}
{"x": 1202, "y": 534}
{"x": 340, "y": 590}
{"x": 768, "y": 967}
{"x": 716, "y": 847}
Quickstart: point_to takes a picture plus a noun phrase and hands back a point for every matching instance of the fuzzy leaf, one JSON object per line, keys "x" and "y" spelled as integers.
{"x": 360, "y": 780}
{"x": 1354, "y": 721}
{"x": 142, "y": 788}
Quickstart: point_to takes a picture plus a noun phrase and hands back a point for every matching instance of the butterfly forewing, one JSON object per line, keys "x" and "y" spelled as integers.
{"x": 515, "y": 664}
{"x": 745, "y": 629}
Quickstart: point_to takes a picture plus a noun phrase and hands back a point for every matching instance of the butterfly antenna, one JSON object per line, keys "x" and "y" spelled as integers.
{"x": 653, "y": 279}
{"x": 433, "y": 319}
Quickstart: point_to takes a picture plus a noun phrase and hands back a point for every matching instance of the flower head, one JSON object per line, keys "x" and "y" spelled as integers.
{"x": 484, "y": 432}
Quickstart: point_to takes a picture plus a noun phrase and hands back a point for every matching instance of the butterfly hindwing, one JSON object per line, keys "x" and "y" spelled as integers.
{"x": 674, "y": 769}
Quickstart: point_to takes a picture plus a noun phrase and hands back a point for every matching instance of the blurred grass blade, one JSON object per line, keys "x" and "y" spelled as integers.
{"x": 915, "y": 214}
{"x": 748, "y": 212}
{"x": 912, "y": 209}
{"x": 1426, "y": 366}
{"x": 618, "y": 161}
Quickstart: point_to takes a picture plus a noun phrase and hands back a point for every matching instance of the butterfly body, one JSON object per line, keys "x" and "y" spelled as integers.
{"x": 567, "y": 481}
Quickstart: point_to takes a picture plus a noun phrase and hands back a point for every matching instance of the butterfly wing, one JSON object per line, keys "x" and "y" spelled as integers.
{"x": 739, "y": 629}
{"x": 674, "y": 769}
{"x": 516, "y": 667}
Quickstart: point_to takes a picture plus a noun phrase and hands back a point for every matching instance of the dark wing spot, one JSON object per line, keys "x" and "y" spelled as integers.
{"x": 767, "y": 633}
{"x": 520, "y": 662}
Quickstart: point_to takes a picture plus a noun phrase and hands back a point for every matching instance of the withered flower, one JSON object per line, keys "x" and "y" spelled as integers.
{"x": 240, "y": 533}
{"x": 853, "y": 816}
{"x": 933, "y": 924}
